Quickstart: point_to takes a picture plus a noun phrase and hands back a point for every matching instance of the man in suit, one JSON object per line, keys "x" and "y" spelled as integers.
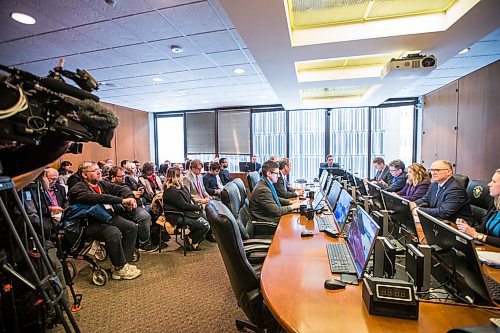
{"x": 329, "y": 164}
{"x": 194, "y": 182}
{"x": 383, "y": 173}
{"x": 265, "y": 205}
{"x": 446, "y": 198}
{"x": 283, "y": 189}
{"x": 212, "y": 181}
{"x": 255, "y": 165}
{"x": 398, "y": 181}
{"x": 224, "y": 175}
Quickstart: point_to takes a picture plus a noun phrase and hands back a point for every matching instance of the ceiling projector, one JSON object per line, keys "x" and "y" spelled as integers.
{"x": 412, "y": 66}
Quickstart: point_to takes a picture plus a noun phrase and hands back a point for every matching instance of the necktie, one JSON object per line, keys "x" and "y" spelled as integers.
{"x": 200, "y": 192}
{"x": 438, "y": 190}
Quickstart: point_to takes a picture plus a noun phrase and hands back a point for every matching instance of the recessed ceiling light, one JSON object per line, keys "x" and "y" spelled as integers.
{"x": 238, "y": 71}
{"x": 205, "y": 102}
{"x": 157, "y": 79}
{"x": 467, "y": 49}
{"x": 23, "y": 18}
{"x": 176, "y": 49}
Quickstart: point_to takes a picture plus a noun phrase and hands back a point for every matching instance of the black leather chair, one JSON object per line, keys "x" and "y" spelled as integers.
{"x": 244, "y": 280}
{"x": 480, "y": 199}
{"x": 243, "y": 190}
{"x": 253, "y": 178}
{"x": 231, "y": 197}
{"x": 462, "y": 180}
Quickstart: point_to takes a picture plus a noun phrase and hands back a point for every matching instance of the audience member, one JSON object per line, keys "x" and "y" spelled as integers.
{"x": 73, "y": 179}
{"x": 176, "y": 197}
{"x": 56, "y": 200}
{"x": 194, "y": 183}
{"x": 265, "y": 205}
{"x": 123, "y": 163}
{"x": 398, "y": 181}
{"x": 150, "y": 181}
{"x": 64, "y": 173}
{"x": 139, "y": 215}
{"x": 328, "y": 164}
{"x": 256, "y": 166}
{"x": 488, "y": 232}
{"x": 383, "y": 171}
{"x": 119, "y": 234}
{"x": 138, "y": 166}
{"x": 224, "y": 174}
{"x": 283, "y": 189}
{"x": 446, "y": 198}
{"x": 211, "y": 180}
{"x": 164, "y": 167}
{"x": 417, "y": 184}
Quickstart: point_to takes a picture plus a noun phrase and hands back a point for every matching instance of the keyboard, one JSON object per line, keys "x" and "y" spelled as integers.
{"x": 326, "y": 221}
{"x": 493, "y": 287}
{"x": 340, "y": 258}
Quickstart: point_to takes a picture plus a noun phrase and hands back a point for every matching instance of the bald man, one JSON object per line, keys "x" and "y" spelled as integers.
{"x": 446, "y": 198}
{"x": 56, "y": 193}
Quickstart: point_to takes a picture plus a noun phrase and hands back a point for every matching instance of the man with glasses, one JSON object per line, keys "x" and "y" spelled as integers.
{"x": 139, "y": 215}
{"x": 224, "y": 175}
{"x": 446, "y": 198}
{"x": 398, "y": 180}
{"x": 283, "y": 189}
{"x": 119, "y": 234}
{"x": 265, "y": 204}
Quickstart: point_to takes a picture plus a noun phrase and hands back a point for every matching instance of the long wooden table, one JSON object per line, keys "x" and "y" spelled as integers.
{"x": 292, "y": 284}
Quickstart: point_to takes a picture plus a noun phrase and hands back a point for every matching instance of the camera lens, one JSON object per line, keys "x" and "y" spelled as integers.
{"x": 428, "y": 62}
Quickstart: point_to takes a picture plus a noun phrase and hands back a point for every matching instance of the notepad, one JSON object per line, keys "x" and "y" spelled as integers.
{"x": 489, "y": 258}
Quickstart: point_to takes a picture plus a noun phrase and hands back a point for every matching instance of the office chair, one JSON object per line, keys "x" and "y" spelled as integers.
{"x": 253, "y": 178}
{"x": 244, "y": 280}
{"x": 231, "y": 197}
{"x": 243, "y": 190}
{"x": 480, "y": 199}
{"x": 462, "y": 180}
{"x": 476, "y": 329}
{"x": 179, "y": 230}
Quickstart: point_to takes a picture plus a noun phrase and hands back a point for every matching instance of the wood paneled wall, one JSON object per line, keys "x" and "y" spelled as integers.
{"x": 131, "y": 140}
{"x": 461, "y": 123}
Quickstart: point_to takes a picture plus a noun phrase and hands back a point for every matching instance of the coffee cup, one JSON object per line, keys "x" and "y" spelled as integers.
{"x": 310, "y": 214}
{"x": 303, "y": 209}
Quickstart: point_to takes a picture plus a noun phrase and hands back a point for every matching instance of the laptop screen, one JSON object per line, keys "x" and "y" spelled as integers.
{"x": 361, "y": 239}
{"x": 316, "y": 204}
{"x": 333, "y": 195}
{"x": 342, "y": 208}
{"x": 322, "y": 179}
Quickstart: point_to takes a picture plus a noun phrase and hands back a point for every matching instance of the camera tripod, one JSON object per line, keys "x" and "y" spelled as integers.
{"x": 48, "y": 288}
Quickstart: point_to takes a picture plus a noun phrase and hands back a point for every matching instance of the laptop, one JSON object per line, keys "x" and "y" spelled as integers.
{"x": 353, "y": 256}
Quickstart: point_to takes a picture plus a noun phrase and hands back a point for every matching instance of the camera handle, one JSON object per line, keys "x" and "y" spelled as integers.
{"x": 52, "y": 300}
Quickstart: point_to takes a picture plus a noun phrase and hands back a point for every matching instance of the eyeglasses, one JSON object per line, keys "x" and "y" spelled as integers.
{"x": 119, "y": 176}
{"x": 275, "y": 172}
{"x": 393, "y": 170}
{"x": 436, "y": 170}
{"x": 95, "y": 170}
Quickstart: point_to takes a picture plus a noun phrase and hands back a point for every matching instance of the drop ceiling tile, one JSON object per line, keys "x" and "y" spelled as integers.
{"x": 193, "y": 18}
{"x": 109, "y": 34}
{"x": 165, "y": 46}
{"x": 148, "y": 26}
{"x": 75, "y": 12}
{"x": 73, "y": 41}
{"x": 121, "y": 7}
{"x": 221, "y": 13}
{"x": 214, "y": 41}
{"x": 237, "y": 37}
{"x": 107, "y": 74}
{"x": 249, "y": 55}
{"x": 195, "y": 62}
{"x": 166, "y": 66}
{"x": 491, "y": 47}
{"x": 197, "y": 74}
{"x": 138, "y": 69}
{"x": 234, "y": 57}
{"x": 495, "y": 35}
{"x": 141, "y": 52}
{"x": 470, "y": 62}
{"x": 247, "y": 79}
{"x": 98, "y": 59}
{"x": 29, "y": 49}
{"x": 39, "y": 68}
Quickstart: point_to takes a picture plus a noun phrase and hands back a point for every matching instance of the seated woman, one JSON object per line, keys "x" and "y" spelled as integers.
{"x": 488, "y": 232}
{"x": 176, "y": 197}
{"x": 417, "y": 183}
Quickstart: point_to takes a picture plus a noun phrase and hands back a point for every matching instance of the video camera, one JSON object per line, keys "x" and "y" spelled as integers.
{"x": 32, "y": 106}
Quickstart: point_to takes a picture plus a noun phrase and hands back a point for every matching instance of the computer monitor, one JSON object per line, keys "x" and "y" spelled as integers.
{"x": 361, "y": 238}
{"x": 333, "y": 195}
{"x": 376, "y": 196}
{"x": 458, "y": 266}
{"x": 328, "y": 183}
{"x": 350, "y": 179}
{"x": 318, "y": 198}
{"x": 246, "y": 166}
{"x": 360, "y": 185}
{"x": 334, "y": 170}
{"x": 400, "y": 213}
{"x": 323, "y": 178}
{"x": 342, "y": 208}
{"x": 206, "y": 166}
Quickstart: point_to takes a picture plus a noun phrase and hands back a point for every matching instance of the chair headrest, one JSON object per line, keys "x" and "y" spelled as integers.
{"x": 479, "y": 194}
{"x": 231, "y": 197}
{"x": 462, "y": 180}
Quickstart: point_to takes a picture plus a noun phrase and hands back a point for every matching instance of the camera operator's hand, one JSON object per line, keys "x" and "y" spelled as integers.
{"x": 129, "y": 203}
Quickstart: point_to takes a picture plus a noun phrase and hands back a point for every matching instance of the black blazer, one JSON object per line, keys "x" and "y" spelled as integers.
{"x": 180, "y": 200}
{"x": 282, "y": 190}
{"x": 384, "y": 175}
{"x": 449, "y": 204}
{"x": 225, "y": 176}
{"x": 325, "y": 165}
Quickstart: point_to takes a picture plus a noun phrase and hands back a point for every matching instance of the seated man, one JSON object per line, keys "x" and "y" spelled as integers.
{"x": 398, "y": 181}
{"x": 255, "y": 165}
{"x": 194, "y": 182}
{"x": 383, "y": 172}
{"x": 283, "y": 189}
{"x": 57, "y": 200}
{"x": 329, "y": 164}
{"x": 212, "y": 181}
{"x": 446, "y": 198}
{"x": 119, "y": 234}
{"x": 139, "y": 215}
{"x": 265, "y": 205}
{"x": 224, "y": 175}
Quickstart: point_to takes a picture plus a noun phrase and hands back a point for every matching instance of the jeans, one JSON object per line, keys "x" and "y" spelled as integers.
{"x": 143, "y": 220}
{"x": 197, "y": 228}
{"x": 119, "y": 235}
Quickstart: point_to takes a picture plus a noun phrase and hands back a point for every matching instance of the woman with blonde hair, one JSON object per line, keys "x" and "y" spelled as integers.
{"x": 488, "y": 232}
{"x": 417, "y": 183}
{"x": 176, "y": 197}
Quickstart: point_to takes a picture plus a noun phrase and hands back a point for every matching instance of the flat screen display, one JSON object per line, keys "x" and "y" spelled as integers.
{"x": 361, "y": 239}
{"x": 333, "y": 195}
{"x": 342, "y": 208}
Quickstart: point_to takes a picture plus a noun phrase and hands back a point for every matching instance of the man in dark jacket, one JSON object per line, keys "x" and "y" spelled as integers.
{"x": 398, "y": 180}
{"x": 119, "y": 234}
{"x": 283, "y": 189}
{"x": 224, "y": 174}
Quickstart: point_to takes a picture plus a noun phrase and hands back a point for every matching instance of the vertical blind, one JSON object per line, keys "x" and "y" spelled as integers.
{"x": 269, "y": 134}
{"x": 234, "y": 131}
{"x": 200, "y": 132}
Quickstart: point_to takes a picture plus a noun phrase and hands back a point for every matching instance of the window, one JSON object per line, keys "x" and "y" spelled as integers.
{"x": 269, "y": 134}
{"x": 392, "y": 133}
{"x": 170, "y": 138}
{"x": 307, "y": 142}
{"x": 200, "y": 132}
{"x": 234, "y": 132}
